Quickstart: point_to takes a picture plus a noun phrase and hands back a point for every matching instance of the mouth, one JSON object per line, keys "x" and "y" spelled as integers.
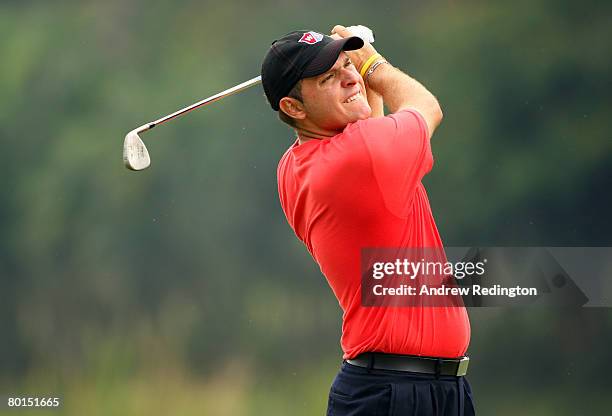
{"x": 353, "y": 97}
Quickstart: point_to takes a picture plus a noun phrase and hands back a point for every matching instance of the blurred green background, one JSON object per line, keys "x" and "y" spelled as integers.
{"x": 182, "y": 290}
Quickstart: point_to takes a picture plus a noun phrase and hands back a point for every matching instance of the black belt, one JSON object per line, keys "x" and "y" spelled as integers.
{"x": 415, "y": 364}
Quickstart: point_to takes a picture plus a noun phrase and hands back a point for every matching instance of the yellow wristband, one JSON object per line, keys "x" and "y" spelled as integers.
{"x": 369, "y": 62}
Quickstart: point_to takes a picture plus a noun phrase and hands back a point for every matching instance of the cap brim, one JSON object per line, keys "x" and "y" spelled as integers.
{"x": 329, "y": 54}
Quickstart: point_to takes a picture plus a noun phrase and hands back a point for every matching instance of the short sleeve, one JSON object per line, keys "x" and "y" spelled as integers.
{"x": 400, "y": 152}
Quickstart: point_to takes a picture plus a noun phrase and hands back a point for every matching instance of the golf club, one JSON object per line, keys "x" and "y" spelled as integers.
{"x": 135, "y": 153}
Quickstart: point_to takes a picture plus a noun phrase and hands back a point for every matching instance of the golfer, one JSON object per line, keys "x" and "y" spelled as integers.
{"x": 352, "y": 180}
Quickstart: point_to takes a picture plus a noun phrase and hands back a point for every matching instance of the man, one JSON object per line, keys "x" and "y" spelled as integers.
{"x": 352, "y": 180}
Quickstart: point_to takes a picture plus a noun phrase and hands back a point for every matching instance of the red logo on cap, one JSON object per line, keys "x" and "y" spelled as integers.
{"x": 311, "y": 38}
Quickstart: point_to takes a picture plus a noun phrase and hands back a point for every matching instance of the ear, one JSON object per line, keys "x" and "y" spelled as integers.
{"x": 292, "y": 107}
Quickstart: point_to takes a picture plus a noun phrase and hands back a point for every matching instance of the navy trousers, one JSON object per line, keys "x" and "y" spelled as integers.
{"x": 357, "y": 391}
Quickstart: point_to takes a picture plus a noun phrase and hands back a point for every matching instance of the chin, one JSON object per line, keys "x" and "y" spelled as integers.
{"x": 364, "y": 114}
{"x": 357, "y": 117}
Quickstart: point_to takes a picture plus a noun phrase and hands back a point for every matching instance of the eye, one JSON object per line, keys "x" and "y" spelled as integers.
{"x": 348, "y": 63}
{"x": 327, "y": 77}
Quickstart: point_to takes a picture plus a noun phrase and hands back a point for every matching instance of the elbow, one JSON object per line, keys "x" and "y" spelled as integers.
{"x": 438, "y": 114}
{"x": 435, "y": 116}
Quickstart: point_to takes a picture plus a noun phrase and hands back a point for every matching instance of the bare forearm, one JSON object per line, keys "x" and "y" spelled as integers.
{"x": 375, "y": 101}
{"x": 400, "y": 91}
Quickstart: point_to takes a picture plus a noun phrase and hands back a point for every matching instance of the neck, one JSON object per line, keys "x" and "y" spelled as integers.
{"x": 305, "y": 134}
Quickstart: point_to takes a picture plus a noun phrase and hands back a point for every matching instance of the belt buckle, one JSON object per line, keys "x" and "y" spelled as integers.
{"x": 463, "y": 366}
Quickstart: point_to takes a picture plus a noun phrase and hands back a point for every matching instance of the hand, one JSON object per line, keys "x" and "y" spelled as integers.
{"x": 359, "y": 56}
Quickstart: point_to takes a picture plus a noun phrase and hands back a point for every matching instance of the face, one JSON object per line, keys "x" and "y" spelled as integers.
{"x": 335, "y": 98}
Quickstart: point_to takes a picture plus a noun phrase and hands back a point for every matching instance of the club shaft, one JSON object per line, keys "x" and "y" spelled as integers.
{"x": 213, "y": 98}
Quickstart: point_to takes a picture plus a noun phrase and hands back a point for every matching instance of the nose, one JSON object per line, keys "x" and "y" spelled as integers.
{"x": 350, "y": 76}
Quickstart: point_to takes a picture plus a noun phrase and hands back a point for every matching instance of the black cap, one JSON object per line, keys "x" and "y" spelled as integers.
{"x": 297, "y": 55}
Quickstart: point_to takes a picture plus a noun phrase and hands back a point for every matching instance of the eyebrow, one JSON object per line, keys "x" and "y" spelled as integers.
{"x": 334, "y": 69}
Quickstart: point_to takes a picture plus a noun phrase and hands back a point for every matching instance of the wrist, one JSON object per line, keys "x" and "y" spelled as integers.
{"x": 368, "y": 63}
{"x": 373, "y": 68}
{"x": 382, "y": 78}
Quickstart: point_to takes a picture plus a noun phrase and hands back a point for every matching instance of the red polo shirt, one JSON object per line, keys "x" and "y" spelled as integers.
{"x": 362, "y": 188}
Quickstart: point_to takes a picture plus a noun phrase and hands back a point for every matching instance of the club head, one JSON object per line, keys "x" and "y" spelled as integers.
{"x": 135, "y": 153}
